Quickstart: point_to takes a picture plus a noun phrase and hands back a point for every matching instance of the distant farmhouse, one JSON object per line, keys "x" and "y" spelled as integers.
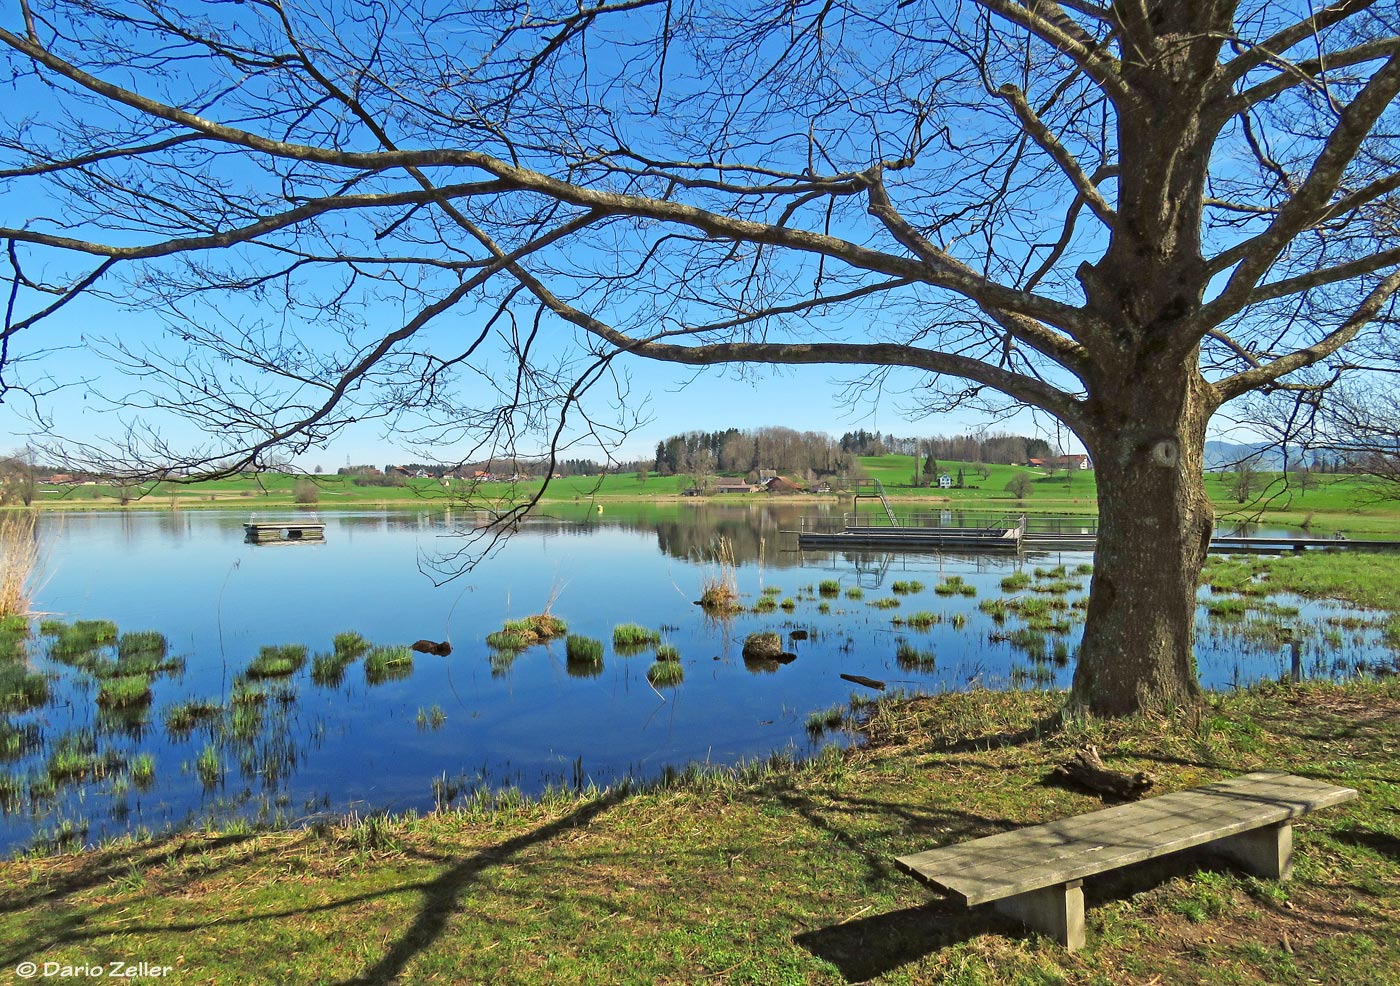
{"x": 1061, "y": 462}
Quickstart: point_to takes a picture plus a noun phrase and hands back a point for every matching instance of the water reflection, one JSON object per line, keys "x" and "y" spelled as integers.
{"x": 342, "y": 727}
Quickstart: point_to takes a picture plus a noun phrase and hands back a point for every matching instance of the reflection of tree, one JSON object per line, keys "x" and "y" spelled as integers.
{"x": 755, "y": 534}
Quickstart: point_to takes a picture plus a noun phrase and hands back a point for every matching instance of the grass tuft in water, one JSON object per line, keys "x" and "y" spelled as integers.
{"x": 583, "y": 650}
{"x": 665, "y": 673}
{"x": 387, "y": 664}
{"x": 829, "y": 587}
{"x": 181, "y": 718}
{"x": 277, "y": 661}
{"x": 124, "y": 692}
{"x": 911, "y": 658}
{"x": 635, "y": 635}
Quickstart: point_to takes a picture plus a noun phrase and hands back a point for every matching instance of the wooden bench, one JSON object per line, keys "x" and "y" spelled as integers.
{"x": 1035, "y": 875}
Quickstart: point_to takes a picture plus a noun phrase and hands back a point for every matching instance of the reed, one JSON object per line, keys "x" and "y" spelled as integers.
{"x": 278, "y": 661}
{"x": 387, "y": 663}
{"x": 911, "y": 658}
{"x": 668, "y": 652}
{"x": 719, "y": 586}
{"x": 19, "y": 560}
{"x": 635, "y": 635}
{"x": 824, "y": 719}
{"x": 908, "y": 587}
{"x": 921, "y": 620}
{"x": 1015, "y": 582}
{"x": 143, "y": 769}
{"x": 124, "y": 692}
{"x": 141, "y": 646}
{"x": 182, "y": 717}
{"x": 431, "y": 718}
{"x": 209, "y": 766}
{"x": 829, "y": 587}
{"x": 665, "y": 673}
{"x": 20, "y": 688}
{"x": 583, "y": 650}
{"x": 349, "y": 645}
{"x": 14, "y": 632}
{"x": 765, "y": 604}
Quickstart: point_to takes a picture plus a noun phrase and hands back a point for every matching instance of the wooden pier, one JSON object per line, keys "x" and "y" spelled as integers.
{"x": 284, "y": 531}
{"x": 964, "y": 531}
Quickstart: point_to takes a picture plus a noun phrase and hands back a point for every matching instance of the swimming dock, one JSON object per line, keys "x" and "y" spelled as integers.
{"x": 283, "y": 531}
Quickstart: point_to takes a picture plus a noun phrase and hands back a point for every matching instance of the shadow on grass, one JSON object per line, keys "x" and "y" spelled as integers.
{"x": 113, "y": 863}
{"x": 440, "y": 898}
{"x": 1380, "y": 842}
{"x": 869, "y": 947}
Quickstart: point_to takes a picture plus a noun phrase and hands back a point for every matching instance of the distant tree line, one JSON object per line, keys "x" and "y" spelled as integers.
{"x": 783, "y": 450}
{"x": 993, "y": 449}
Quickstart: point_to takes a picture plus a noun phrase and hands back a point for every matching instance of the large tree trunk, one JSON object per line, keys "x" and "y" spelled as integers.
{"x": 1155, "y": 523}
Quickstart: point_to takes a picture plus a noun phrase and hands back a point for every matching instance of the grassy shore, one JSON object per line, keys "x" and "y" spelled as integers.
{"x": 1331, "y": 503}
{"x": 778, "y": 874}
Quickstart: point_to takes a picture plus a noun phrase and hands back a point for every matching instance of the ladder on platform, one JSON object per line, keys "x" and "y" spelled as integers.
{"x": 873, "y": 489}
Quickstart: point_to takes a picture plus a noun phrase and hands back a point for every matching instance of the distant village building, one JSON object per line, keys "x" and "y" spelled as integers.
{"x": 1060, "y": 462}
{"x": 945, "y": 482}
{"x": 777, "y": 484}
{"x": 730, "y": 486}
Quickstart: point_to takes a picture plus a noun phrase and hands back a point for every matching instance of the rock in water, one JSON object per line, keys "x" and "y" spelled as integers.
{"x": 431, "y": 647}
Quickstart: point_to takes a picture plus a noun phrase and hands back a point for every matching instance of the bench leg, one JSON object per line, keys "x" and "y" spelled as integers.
{"x": 1057, "y": 912}
{"x": 1266, "y": 852}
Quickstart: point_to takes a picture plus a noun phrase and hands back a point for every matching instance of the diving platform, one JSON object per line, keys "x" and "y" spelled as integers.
{"x": 284, "y": 531}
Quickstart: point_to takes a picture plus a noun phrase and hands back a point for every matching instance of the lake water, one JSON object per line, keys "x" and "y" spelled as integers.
{"x": 478, "y": 720}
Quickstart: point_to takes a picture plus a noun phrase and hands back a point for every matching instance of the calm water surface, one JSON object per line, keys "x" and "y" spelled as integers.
{"x": 530, "y": 722}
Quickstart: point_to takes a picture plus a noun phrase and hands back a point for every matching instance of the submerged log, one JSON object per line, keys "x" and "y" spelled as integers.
{"x": 1086, "y": 769}
{"x": 861, "y": 679}
{"x": 431, "y": 647}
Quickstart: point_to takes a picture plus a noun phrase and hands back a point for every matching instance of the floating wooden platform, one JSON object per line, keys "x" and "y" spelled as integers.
{"x": 283, "y": 531}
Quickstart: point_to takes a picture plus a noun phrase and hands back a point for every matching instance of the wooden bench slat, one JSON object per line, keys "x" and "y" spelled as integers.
{"x": 1011, "y": 863}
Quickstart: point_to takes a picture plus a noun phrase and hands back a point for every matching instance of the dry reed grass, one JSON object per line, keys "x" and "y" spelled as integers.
{"x": 19, "y": 560}
{"x": 720, "y": 585}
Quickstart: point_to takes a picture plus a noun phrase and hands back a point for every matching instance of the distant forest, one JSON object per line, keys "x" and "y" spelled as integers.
{"x": 790, "y": 452}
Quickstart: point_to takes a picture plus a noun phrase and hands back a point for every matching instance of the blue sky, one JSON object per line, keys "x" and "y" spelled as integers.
{"x": 672, "y": 399}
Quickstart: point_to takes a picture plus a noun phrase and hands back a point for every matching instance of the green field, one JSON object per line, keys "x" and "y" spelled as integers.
{"x": 778, "y": 874}
{"x": 1331, "y": 503}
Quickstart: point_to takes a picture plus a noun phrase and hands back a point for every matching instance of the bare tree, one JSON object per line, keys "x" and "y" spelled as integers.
{"x": 1122, "y": 214}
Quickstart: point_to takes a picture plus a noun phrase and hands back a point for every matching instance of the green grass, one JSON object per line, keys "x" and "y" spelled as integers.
{"x": 276, "y": 661}
{"x": 20, "y": 688}
{"x": 182, "y": 717}
{"x": 349, "y": 645}
{"x": 141, "y": 646}
{"x": 668, "y": 652}
{"x": 634, "y": 635}
{"x": 663, "y": 674}
{"x": 431, "y": 718}
{"x": 1015, "y": 582}
{"x": 772, "y": 873}
{"x": 907, "y": 587}
{"x": 829, "y": 588}
{"x": 911, "y": 658}
{"x": 143, "y": 769}
{"x": 384, "y": 664}
{"x": 124, "y": 692}
{"x": 583, "y": 650}
{"x": 921, "y": 620}
{"x": 209, "y": 766}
